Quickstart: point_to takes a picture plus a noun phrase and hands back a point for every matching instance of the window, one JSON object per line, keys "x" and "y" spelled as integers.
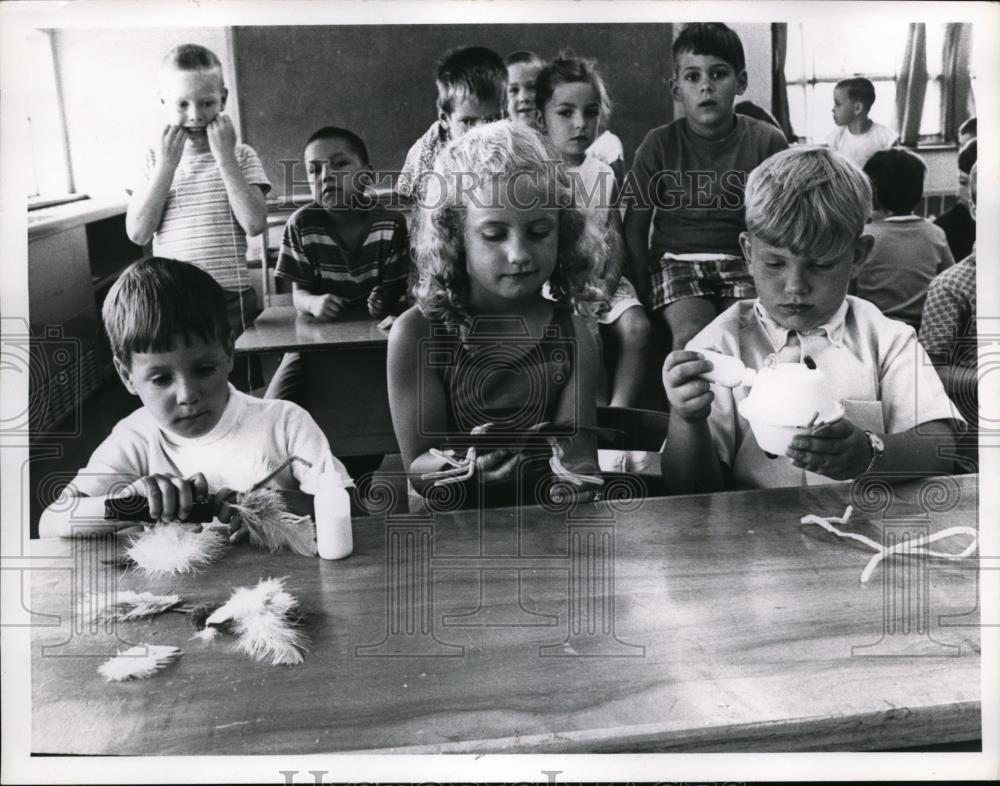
{"x": 50, "y": 174}
{"x": 820, "y": 54}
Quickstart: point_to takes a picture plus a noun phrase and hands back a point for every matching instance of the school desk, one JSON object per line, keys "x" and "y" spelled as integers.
{"x": 697, "y": 623}
{"x": 344, "y": 373}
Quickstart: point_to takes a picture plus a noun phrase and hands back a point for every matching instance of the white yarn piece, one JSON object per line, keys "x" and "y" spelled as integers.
{"x": 127, "y": 606}
{"x": 139, "y": 662}
{"x": 171, "y": 548}
{"x": 263, "y": 619}
{"x": 916, "y": 547}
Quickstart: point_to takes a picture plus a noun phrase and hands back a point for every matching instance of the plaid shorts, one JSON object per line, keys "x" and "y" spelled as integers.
{"x": 700, "y": 275}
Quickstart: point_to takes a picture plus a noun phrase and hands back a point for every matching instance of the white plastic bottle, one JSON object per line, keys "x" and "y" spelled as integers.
{"x": 332, "y": 507}
{"x": 727, "y": 370}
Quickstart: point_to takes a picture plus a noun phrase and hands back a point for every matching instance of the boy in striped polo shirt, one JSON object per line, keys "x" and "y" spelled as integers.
{"x": 202, "y": 192}
{"x": 341, "y": 251}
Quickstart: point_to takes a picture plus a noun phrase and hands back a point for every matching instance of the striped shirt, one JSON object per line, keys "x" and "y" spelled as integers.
{"x": 198, "y": 225}
{"x": 312, "y": 257}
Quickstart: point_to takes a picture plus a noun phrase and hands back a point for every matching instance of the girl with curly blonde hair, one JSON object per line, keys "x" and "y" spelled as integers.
{"x": 484, "y": 360}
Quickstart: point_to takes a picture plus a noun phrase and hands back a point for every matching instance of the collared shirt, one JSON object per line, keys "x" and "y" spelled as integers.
{"x": 949, "y": 321}
{"x": 420, "y": 159}
{"x": 874, "y": 366}
{"x": 909, "y": 251}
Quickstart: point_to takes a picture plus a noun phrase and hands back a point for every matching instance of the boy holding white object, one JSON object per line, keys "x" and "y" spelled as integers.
{"x": 806, "y": 211}
{"x": 196, "y": 436}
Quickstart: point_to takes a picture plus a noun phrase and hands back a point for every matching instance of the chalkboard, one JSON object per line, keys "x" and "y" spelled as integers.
{"x": 378, "y": 80}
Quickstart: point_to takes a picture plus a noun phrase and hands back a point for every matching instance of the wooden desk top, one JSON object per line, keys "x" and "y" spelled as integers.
{"x": 720, "y": 624}
{"x": 281, "y": 329}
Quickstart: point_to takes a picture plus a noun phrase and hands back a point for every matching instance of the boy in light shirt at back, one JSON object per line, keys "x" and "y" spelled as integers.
{"x": 857, "y": 136}
{"x": 806, "y": 212}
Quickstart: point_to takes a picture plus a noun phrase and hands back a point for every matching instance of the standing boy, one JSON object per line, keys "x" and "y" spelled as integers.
{"x": 857, "y": 136}
{"x": 472, "y": 90}
{"x": 202, "y": 192}
{"x": 339, "y": 251}
{"x": 692, "y": 171}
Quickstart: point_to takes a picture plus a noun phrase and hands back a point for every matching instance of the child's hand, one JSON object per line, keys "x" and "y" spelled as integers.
{"x": 687, "y": 391}
{"x": 327, "y": 306}
{"x": 221, "y": 136}
{"x": 377, "y": 301}
{"x": 170, "y": 497}
{"x": 172, "y": 146}
{"x": 221, "y": 499}
{"x": 498, "y": 466}
{"x": 838, "y": 450}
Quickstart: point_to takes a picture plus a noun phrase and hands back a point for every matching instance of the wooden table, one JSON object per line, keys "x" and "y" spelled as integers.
{"x": 345, "y": 374}
{"x": 699, "y": 623}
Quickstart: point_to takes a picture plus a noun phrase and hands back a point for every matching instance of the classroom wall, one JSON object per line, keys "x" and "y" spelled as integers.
{"x": 379, "y": 80}
{"x": 108, "y": 80}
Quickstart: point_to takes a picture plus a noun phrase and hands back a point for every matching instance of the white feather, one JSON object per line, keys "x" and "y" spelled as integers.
{"x": 206, "y": 634}
{"x": 272, "y": 526}
{"x": 138, "y": 662}
{"x": 171, "y": 548}
{"x": 262, "y": 618}
{"x": 128, "y": 605}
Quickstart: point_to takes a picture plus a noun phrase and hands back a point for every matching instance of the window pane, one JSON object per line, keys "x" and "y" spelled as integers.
{"x": 930, "y": 119}
{"x": 48, "y": 154}
{"x": 849, "y": 48}
{"x": 935, "y": 48}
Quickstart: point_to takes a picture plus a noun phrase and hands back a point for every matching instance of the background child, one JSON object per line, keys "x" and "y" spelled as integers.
{"x": 522, "y": 71}
{"x": 967, "y": 131}
{"x": 909, "y": 250}
{"x": 957, "y": 222}
{"x": 948, "y": 331}
{"x": 692, "y": 171}
{"x": 341, "y": 250}
{"x": 857, "y": 137}
{"x": 195, "y": 435}
{"x": 202, "y": 191}
{"x": 483, "y": 346}
{"x": 472, "y": 89}
{"x": 572, "y": 101}
{"x": 806, "y": 211}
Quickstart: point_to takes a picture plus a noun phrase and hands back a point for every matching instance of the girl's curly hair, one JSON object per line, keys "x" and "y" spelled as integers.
{"x": 500, "y": 154}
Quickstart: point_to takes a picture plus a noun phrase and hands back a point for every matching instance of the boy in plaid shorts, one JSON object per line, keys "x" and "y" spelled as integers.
{"x": 687, "y": 179}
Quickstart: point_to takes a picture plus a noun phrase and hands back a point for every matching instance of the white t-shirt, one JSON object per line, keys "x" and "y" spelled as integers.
{"x": 860, "y": 147}
{"x": 252, "y": 438}
{"x": 607, "y": 148}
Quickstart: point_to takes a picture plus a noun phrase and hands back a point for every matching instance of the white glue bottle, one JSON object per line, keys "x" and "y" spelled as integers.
{"x": 727, "y": 370}
{"x": 332, "y": 507}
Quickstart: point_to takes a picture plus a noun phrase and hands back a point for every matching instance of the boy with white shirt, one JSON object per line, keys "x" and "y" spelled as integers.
{"x": 195, "y": 435}
{"x": 857, "y": 136}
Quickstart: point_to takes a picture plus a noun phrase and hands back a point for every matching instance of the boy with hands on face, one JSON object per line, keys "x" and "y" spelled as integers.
{"x": 201, "y": 192}
{"x": 806, "y": 212}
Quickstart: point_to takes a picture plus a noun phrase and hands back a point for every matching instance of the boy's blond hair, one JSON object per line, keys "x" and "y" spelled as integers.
{"x": 191, "y": 57}
{"x": 808, "y": 200}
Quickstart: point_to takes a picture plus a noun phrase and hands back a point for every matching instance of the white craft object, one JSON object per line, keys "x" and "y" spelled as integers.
{"x": 788, "y": 399}
{"x": 263, "y": 619}
{"x": 128, "y": 605}
{"x": 171, "y": 548}
{"x": 138, "y": 662}
{"x": 917, "y": 547}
